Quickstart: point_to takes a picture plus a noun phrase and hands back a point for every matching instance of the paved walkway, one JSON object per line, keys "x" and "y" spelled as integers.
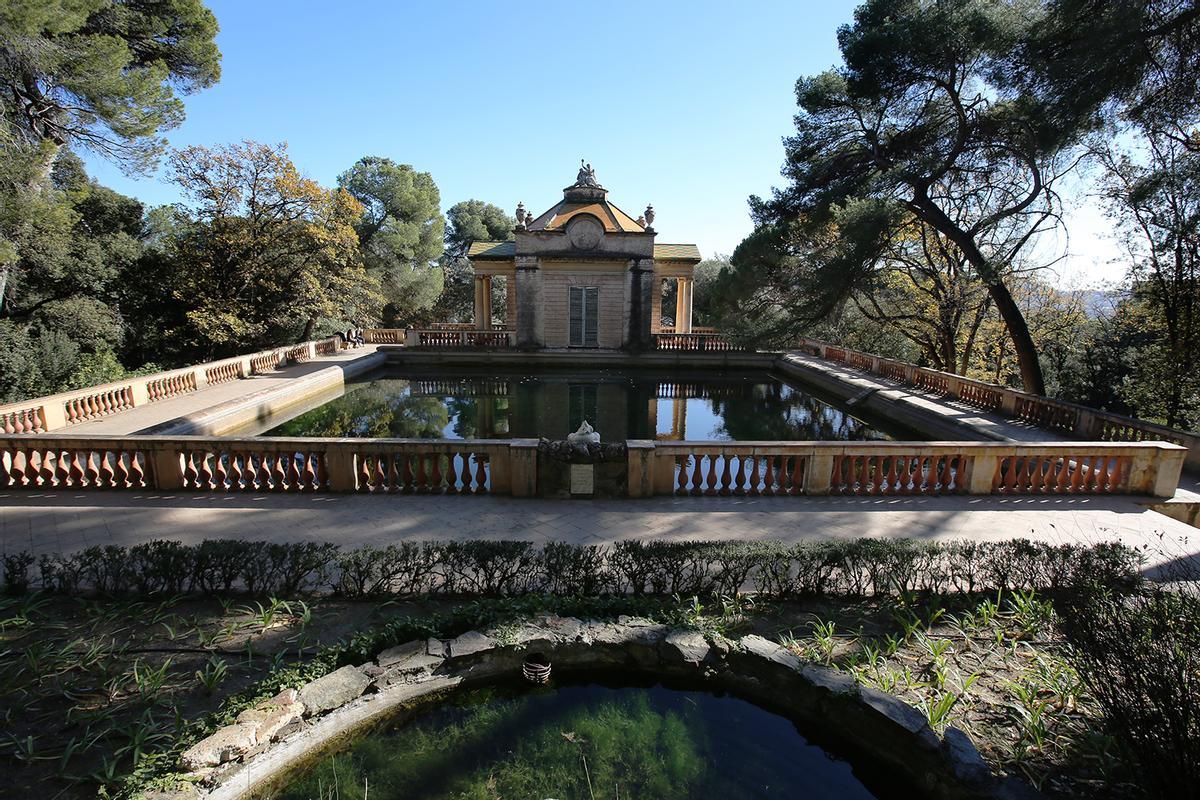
{"x": 137, "y": 420}
{"x": 64, "y": 521}
{"x": 69, "y": 521}
{"x": 986, "y": 425}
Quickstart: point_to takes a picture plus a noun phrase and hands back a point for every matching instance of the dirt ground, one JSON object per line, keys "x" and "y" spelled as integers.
{"x": 90, "y": 687}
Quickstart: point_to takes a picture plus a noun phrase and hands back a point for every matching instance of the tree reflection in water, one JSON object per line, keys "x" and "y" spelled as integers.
{"x": 373, "y": 411}
{"x": 745, "y": 407}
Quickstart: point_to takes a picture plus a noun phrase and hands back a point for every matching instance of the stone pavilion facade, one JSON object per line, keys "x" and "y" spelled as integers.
{"x": 584, "y": 274}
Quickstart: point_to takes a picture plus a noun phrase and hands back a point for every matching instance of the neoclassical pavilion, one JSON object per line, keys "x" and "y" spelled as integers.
{"x": 584, "y": 274}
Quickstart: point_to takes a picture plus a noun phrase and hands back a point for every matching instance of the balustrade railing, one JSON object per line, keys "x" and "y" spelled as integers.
{"x": 443, "y": 467}
{"x": 709, "y": 470}
{"x": 986, "y": 397}
{"x": 461, "y": 338}
{"x": 908, "y": 468}
{"x": 171, "y": 385}
{"x": 44, "y": 414}
{"x": 510, "y": 467}
{"x": 96, "y": 404}
{"x": 464, "y": 335}
{"x": 695, "y": 329}
{"x": 223, "y": 373}
{"x": 695, "y": 343}
{"x": 898, "y": 473}
{"x": 1071, "y": 419}
{"x": 1045, "y": 414}
{"x": 384, "y": 335}
{"x": 22, "y": 420}
{"x": 463, "y": 387}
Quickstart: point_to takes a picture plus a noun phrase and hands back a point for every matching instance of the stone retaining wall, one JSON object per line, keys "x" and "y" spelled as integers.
{"x": 267, "y": 743}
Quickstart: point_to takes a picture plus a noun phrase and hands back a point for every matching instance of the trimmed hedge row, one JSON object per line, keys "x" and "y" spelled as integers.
{"x": 859, "y": 568}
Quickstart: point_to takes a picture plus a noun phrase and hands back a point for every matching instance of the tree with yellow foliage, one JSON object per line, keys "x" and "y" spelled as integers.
{"x": 261, "y": 255}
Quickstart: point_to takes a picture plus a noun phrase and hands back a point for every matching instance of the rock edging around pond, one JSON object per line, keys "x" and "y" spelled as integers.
{"x": 269, "y": 741}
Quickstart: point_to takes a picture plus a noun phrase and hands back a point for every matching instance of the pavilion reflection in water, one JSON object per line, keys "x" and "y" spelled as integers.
{"x": 746, "y": 408}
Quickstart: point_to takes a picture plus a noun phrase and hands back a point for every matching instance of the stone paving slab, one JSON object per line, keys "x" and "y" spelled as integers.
{"x": 67, "y": 521}
{"x": 138, "y": 419}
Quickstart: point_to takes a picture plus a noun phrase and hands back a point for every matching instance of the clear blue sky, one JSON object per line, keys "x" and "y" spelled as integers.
{"x": 679, "y": 104}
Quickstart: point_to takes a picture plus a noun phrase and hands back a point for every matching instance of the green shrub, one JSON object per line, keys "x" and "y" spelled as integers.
{"x": 855, "y": 568}
{"x": 16, "y": 572}
{"x": 161, "y": 567}
{"x": 1139, "y": 654}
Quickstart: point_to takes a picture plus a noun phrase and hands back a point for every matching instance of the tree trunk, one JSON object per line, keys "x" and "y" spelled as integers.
{"x": 1010, "y": 312}
{"x": 4, "y": 268}
{"x": 1018, "y": 331}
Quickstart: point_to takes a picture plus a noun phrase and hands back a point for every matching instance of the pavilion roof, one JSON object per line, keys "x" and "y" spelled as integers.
{"x": 613, "y": 218}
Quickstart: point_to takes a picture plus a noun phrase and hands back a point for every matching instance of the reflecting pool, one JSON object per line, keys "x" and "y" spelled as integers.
{"x": 587, "y": 741}
{"x": 730, "y": 406}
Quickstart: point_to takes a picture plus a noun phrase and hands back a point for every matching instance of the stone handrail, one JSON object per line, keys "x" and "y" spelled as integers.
{"x": 53, "y": 412}
{"x": 1060, "y": 416}
{"x": 510, "y": 467}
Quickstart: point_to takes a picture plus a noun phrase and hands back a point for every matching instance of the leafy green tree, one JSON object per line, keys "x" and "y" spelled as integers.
{"x": 260, "y": 255}
{"x": 469, "y": 221}
{"x": 72, "y": 240}
{"x": 1092, "y": 62}
{"x": 918, "y": 124}
{"x": 705, "y": 291}
{"x": 466, "y": 222}
{"x": 380, "y": 409}
{"x": 1153, "y": 196}
{"x": 102, "y": 75}
{"x": 400, "y": 234}
{"x": 476, "y": 221}
{"x": 923, "y": 287}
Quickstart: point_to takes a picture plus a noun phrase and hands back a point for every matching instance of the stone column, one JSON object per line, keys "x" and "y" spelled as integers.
{"x": 487, "y": 301}
{"x": 482, "y": 317}
{"x": 683, "y": 305}
{"x": 529, "y": 303}
{"x": 656, "y": 303}
{"x": 510, "y": 302}
{"x": 687, "y": 311}
{"x": 678, "y": 418}
{"x": 641, "y": 279}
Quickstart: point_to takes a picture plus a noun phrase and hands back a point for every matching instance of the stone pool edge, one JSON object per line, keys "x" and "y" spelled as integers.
{"x": 296, "y": 726}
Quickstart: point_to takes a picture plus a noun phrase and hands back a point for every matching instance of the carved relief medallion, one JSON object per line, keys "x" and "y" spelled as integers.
{"x": 585, "y": 233}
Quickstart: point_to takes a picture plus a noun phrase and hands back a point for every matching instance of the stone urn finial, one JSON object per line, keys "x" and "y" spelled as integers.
{"x": 649, "y": 215}
{"x": 522, "y": 216}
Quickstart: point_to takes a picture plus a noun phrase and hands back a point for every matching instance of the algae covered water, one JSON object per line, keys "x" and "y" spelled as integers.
{"x": 584, "y": 742}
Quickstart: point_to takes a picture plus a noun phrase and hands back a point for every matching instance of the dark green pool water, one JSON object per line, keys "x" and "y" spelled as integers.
{"x": 582, "y": 742}
{"x": 737, "y": 406}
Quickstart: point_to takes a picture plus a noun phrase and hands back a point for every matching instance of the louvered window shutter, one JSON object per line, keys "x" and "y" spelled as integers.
{"x": 591, "y": 311}
{"x": 576, "y": 316}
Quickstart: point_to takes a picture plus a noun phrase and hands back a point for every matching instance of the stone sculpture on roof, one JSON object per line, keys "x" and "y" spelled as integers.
{"x": 586, "y": 176}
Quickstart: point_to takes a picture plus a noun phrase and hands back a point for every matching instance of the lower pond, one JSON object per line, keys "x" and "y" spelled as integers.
{"x": 587, "y": 742}
{"x": 729, "y": 406}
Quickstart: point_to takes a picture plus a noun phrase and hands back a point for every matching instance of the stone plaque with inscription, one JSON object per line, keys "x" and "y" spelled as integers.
{"x": 583, "y": 479}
